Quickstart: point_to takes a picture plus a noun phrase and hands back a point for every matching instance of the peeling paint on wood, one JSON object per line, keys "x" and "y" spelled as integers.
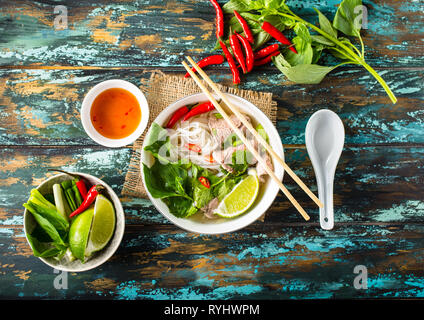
{"x": 379, "y": 207}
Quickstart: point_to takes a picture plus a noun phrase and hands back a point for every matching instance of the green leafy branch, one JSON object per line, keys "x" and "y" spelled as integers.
{"x": 332, "y": 37}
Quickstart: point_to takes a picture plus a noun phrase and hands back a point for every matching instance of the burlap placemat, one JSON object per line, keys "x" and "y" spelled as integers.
{"x": 161, "y": 90}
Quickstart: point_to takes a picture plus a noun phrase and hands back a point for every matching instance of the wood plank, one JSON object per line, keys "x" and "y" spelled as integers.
{"x": 157, "y": 33}
{"x": 41, "y": 107}
{"x": 270, "y": 263}
{"x": 372, "y": 184}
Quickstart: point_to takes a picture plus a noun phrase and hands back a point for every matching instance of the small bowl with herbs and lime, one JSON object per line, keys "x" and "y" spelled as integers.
{"x": 73, "y": 221}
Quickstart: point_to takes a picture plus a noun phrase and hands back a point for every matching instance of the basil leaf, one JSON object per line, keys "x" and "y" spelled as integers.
{"x": 180, "y": 207}
{"x": 201, "y": 195}
{"x": 43, "y": 249}
{"x": 156, "y": 133}
{"x": 317, "y": 49}
{"x": 224, "y": 188}
{"x": 346, "y": 16}
{"x": 238, "y": 5}
{"x": 326, "y": 25}
{"x": 303, "y": 32}
{"x": 304, "y": 53}
{"x": 322, "y": 40}
{"x": 47, "y": 227}
{"x": 302, "y": 73}
{"x": 158, "y": 143}
{"x": 166, "y": 180}
{"x": 303, "y": 45}
{"x": 260, "y": 39}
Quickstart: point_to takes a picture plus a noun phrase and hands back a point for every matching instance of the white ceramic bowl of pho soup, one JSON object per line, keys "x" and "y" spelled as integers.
{"x": 198, "y": 223}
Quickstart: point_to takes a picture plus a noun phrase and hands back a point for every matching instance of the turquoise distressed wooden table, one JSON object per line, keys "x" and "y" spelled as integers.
{"x": 379, "y": 207}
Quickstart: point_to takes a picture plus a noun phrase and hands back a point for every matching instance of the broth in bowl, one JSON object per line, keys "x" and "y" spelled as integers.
{"x": 193, "y": 167}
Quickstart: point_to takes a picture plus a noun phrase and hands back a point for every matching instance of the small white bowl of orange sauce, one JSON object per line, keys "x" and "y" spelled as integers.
{"x": 114, "y": 113}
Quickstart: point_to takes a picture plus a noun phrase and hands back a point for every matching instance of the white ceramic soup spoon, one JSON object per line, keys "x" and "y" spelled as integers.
{"x": 324, "y": 138}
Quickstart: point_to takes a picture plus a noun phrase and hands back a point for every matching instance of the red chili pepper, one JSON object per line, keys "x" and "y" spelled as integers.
{"x": 266, "y": 59}
{"x": 247, "y": 51}
{"x": 215, "y": 59}
{"x": 205, "y": 182}
{"x": 247, "y": 32}
{"x": 237, "y": 51}
{"x": 177, "y": 116}
{"x": 82, "y": 188}
{"x": 231, "y": 63}
{"x": 91, "y": 196}
{"x": 277, "y": 34}
{"x": 219, "y": 19}
{"x": 265, "y": 51}
{"x": 201, "y": 108}
{"x": 193, "y": 147}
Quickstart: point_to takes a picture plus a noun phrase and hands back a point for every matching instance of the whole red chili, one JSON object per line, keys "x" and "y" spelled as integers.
{"x": 277, "y": 34}
{"x": 219, "y": 19}
{"x": 231, "y": 63}
{"x": 247, "y": 51}
{"x": 215, "y": 59}
{"x": 201, "y": 108}
{"x": 177, "y": 116}
{"x": 91, "y": 196}
{"x": 247, "y": 32}
{"x": 205, "y": 182}
{"x": 237, "y": 51}
{"x": 266, "y": 51}
{"x": 266, "y": 59}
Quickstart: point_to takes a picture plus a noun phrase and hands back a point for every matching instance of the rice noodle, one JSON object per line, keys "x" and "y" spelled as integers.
{"x": 196, "y": 131}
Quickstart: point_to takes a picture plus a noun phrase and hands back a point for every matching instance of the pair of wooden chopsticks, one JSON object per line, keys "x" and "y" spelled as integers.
{"x": 249, "y": 146}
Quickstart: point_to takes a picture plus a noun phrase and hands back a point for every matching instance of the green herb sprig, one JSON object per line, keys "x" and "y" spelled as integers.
{"x": 332, "y": 37}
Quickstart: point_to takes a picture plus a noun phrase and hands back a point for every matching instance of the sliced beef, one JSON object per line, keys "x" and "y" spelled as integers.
{"x": 221, "y": 130}
{"x": 224, "y": 157}
{"x": 260, "y": 171}
{"x": 208, "y": 210}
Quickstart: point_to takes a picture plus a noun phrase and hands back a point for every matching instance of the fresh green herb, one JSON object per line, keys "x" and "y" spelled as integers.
{"x": 231, "y": 140}
{"x": 49, "y": 236}
{"x": 158, "y": 143}
{"x": 302, "y": 73}
{"x": 240, "y": 161}
{"x": 60, "y": 201}
{"x": 329, "y": 37}
{"x": 77, "y": 194}
{"x": 261, "y": 131}
{"x": 72, "y": 194}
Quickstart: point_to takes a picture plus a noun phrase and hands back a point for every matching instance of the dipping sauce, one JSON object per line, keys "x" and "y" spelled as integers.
{"x": 115, "y": 113}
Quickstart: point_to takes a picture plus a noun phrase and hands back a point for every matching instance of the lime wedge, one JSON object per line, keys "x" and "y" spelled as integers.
{"x": 103, "y": 225}
{"x": 79, "y": 232}
{"x": 241, "y": 198}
